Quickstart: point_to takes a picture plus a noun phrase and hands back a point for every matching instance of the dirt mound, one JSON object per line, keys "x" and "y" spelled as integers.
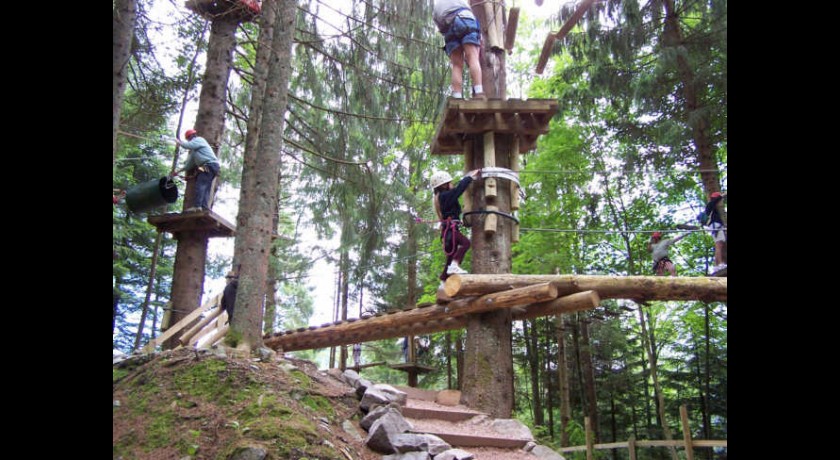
{"x": 197, "y": 405}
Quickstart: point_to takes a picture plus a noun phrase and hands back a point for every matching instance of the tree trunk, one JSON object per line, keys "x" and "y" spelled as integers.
{"x": 258, "y": 196}
{"x": 149, "y": 288}
{"x": 549, "y": 388}
{"x": 125, "y": 16}
{"x": 336, "y": 297}
{"x": 563, "y": 381}
{"x": 448, "y": 360}
{"x": 534, "y": 363}
{"x": 345, "y": 293}
{"x": 191, "y": 253}
{"x": 613, "y": 425}
{"x": 589, "y": 377}
{"x": 695, "y": 114}
{"x": 650, "y": 348}
{"x": 488, "y": 370}
{"x": 210, "y": 120}
{"x": 578, "y": 366}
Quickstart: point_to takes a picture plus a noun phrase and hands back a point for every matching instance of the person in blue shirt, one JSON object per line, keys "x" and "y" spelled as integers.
{"x": 204, "y": 161}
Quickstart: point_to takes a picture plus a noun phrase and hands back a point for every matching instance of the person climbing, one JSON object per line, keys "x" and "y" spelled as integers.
{"x": 659, "y": 249}
{"x": 462, "y": 34}
{"x": 714, "y": 224}
{"x": 204, "y": 161}
{"x": 357, "y": 354}
{"x": 229, "y": 294}
{"x": 455, "y": 244}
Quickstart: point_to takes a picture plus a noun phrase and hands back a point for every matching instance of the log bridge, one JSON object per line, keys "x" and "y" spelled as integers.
{"x": 529, "y": 296}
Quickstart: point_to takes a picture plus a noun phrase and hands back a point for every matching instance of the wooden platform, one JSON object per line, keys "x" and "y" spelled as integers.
{"x": 462, "y": 118}
{"x": 201, "y": 221}
{"x": 412, "y": 367}
{"x": 241, "y": 10}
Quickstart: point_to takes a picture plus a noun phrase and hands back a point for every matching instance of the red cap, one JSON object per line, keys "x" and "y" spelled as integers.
{"x": 190, "y": 133}
{"x": 715, "y": 194}
{"x": 657, "y": 234}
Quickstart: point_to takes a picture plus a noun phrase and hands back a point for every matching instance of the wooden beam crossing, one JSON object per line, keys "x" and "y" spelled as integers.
{"x": 535, "y": 295}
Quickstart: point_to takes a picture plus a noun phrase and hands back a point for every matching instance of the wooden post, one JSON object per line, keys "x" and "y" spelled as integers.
{"x": 588, "y": 426}
{"x": 468, "y": 160}
{"x": 510, "y": 32}
{"x": 631, "y": 446}
{"x": 489, "y": 162}
{"x": 689, "y": 449}
{"x": 490, "y": 220}
{"x": 491, "y": 12}
{"x": 514, "y": 166}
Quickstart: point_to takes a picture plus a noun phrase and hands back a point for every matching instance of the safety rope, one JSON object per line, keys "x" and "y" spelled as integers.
{"x": 490, "y": 211}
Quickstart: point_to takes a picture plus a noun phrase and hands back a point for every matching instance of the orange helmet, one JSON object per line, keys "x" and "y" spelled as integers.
{"x": 190, "y": 133}
{"x": 657, "y": 235}
{"x": 715, "y": 194}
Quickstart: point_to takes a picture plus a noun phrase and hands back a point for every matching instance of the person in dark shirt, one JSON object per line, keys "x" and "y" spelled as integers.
{"x": 448, "y": 209}
{"x": 714, "y": 224}
{"x": 229, "y": 294}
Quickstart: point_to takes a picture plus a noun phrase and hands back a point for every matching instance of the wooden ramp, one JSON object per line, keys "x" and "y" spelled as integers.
{"x": 463, "y": 118}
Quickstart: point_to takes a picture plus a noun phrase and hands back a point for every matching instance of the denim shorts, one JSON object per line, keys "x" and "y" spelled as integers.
{"x": 462, "y": 31}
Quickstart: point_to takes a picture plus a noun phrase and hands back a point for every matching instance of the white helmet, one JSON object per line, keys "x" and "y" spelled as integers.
{"x": 439, "y": 178}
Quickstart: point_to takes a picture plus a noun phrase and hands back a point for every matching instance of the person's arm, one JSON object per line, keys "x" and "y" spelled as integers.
{"x": 679, "y": 237}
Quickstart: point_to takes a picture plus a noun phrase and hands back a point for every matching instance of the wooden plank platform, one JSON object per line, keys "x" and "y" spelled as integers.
{"x": 463, "y": 119}
{"x": 240, "y": 10}
{"x": 205, "y": 221}
{"x": 411, "y": 367}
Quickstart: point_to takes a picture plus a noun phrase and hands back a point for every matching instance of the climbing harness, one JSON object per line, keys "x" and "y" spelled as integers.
{"x": 449, "y": 225}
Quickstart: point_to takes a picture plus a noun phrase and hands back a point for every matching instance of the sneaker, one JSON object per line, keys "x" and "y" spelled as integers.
{"x": 454, "y": 269}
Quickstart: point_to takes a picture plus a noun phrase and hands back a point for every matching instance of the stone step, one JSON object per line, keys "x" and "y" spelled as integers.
{"x": 417, "y": 393}
{"x": 440, "y": 414}
{"x": 466, "y": 440}
{"x": 465, "y": 434}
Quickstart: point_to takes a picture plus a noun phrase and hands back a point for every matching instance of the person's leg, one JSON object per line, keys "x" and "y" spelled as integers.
{"x": 456, "y": 58}
{"x": 463, "y": 246}
{"x": 472, "y": 52}
{"x": 719, "y": 252}
{"x": 671, "y": 269}
{"x": 202, "y": 189}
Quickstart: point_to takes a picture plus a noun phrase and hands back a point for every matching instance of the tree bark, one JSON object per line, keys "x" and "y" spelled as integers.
{"x": 258, "y": 195}
{"x": 125, "y": 16}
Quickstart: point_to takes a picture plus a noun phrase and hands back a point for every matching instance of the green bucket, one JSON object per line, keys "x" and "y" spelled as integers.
{"x": 152, "y": 194}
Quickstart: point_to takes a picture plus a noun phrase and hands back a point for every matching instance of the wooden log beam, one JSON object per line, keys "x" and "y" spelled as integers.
{"x": 411, "y": 322}
{"x": 571, "y": 303}
{"x": 567, "y": 26}
{"x": 710, "y": 289}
